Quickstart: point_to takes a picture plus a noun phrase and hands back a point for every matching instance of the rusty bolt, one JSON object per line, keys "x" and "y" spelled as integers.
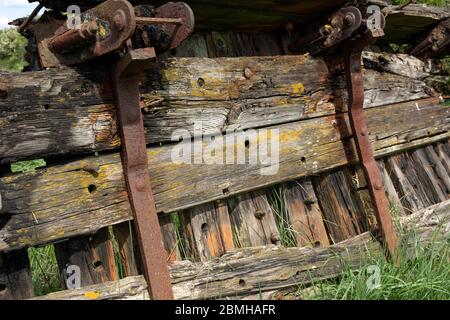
{"x": 119, "y": 19}
{"x": 259, "y": 214}
{"x": 309, "y": 200}
{"x": 140, "y": 184}
{"x": 349, "y": 19}
{"x": 378, "y": 186}
{"x": 248, "y": 72}
{"x": 275, "y": 238}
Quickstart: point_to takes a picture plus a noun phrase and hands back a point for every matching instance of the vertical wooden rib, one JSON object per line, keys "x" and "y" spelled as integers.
{"x": 253, "y": 220}
{"x": 130, "y": 257}
{"x": 94, "y": 256}
{"x": 15, "y": 276}
{"x": 169, "y": 238}
{"x": 207, "y": 230}
{"x": 305, "y": 214}
{"x": 341, "y": 206}
{"x": 391, "y": 192}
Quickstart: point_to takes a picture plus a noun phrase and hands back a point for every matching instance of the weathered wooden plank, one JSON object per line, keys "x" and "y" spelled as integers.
{"x": 169, "y": 238}
{"x": 65, "y": 200}
{"x": 128, "y": 248}
{"x": 15, "y": 276}
{"x": 93, "y": 255}
{"x": 394, "y": 199}
{"x": 262, "y": 269}
{"x": 207, "y": 230}
{"x": 305, "y": 214}
{"x": 342, "y": 209}
{"x": 253, "y": 220}
{"x": 61, "y": 111}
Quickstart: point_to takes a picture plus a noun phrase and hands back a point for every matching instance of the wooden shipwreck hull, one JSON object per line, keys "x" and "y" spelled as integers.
{"x": 234, "y": 73}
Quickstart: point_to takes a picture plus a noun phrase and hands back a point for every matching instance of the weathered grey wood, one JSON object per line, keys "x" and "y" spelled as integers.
{"x": 439, "y": 168}
{"x": 61, "y": 111}
{"x": 129, "y": 288}
{"x": 253, "y": 220}
{"x": 15, "y": 276}
{"x": 73, "y": 201}
{"x": 394, "y": 199}
{"x": 92, "y": 254}
{"x": 263, "y": 269}
{"x": 207, "y": 230}
{"x": 169, "y": 238}
{"x": 305, "y": 214}
{"x": 342, "y": 209}
{"x": 434, "y": 188}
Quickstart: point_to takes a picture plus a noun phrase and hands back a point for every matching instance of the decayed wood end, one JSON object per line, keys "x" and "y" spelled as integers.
{"x": 305, "y": 214}
{"x": 129, "y": 288}
{"x": 252, "y": 271}
{"x": 72, "y": 112}
{"x": 72, "y": 200}
{"x": 127, "y": 242}
{"x": 253, "y": 220}
{"x": 342, "y": 208}
{"x": 15, "y": 276}
{"x": 92, "y": 254}
{"x": 207, "y": 230}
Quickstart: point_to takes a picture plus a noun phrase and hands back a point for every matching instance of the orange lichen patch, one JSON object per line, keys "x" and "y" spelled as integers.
{"x": 298, "y": 88}
{"x": 92, "y": 295}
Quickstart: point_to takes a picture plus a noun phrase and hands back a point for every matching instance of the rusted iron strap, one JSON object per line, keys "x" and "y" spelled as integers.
{"x": 127, "y": 75}
{"x": 355, "y": 85}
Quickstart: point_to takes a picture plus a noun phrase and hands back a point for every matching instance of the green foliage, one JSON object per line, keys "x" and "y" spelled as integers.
{"x": 44, "y": 270}
{"x": 423, "y": 274}
{"x": 12, "y": 50}
{"x": 27, "y": 166}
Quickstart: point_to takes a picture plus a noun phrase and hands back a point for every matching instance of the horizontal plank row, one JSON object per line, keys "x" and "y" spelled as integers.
{"x": 82, "y": 196}
{"x": 70, "y": 111}
{"x": 256, "y": 270}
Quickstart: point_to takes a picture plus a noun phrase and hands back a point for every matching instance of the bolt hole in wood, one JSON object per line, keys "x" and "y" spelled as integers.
{"x": 201, "y": 82}
{"x": 46, "y": 106}
{"x": 226, "y": 191}
{"x": 173, "y": 52}
{"x": 303, "y": 159}
{"x": 242, "y": 282}
{"x": 204, "y": 227}
{"x": 92, "y": 188}
{"x": 317, "y": 244}
{"x": 97, "y": 264}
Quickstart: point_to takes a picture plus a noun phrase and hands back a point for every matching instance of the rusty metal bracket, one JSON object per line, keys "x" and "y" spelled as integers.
{"x": 349, "y": 29}
{"x": 106, "y": 28}
{"x": 127, "y": 74}
{"x": 436, "y": 44}
{"x": 327, "y": 34}
{"x": 355, "y": 86}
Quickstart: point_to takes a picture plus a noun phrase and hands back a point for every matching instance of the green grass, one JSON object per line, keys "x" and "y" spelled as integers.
{"x": 44, "y": 270}
{"x": 27, "y": 166}
{"x": 423, "y": 274}
{"x": 438, "y": 3}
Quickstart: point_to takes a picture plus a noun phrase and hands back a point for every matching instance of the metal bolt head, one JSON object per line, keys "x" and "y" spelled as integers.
{"x": 275, "y": 238}
{"x": 119, "y": 20}
{"x": 248, "y": 72}
{"x": 349, "y": 19}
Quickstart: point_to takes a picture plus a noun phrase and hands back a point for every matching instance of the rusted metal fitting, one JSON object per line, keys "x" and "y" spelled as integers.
{"x": 126, "y": 76}
{"x": 355, "y": 86}
{"x": 74, "y": 38}
{"x": 327, "y": 34}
